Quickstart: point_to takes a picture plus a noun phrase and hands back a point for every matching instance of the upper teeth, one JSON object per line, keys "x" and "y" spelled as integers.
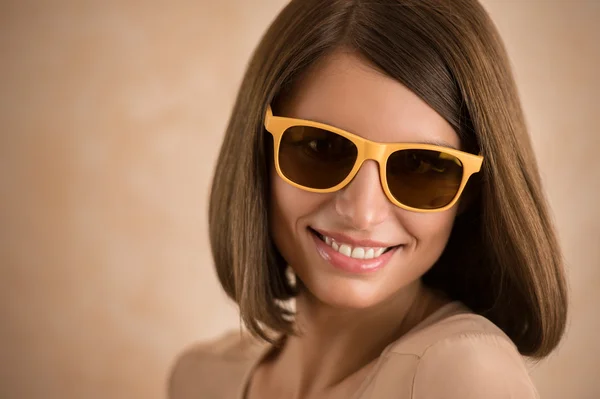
{"x": 354, "y": 252}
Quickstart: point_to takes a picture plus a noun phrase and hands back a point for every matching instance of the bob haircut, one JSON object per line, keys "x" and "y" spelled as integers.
{"x": 502, "y": 258}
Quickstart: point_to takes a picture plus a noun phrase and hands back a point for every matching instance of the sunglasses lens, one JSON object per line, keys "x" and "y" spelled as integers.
{"x": 315, "y": 158}
{"x": 424, "y": 179}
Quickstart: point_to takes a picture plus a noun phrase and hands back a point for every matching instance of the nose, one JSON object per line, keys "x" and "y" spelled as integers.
{"x": 362, "y": 203}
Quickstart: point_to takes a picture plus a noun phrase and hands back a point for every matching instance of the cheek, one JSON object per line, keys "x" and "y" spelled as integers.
{"x": 287, "y": 203}
{"x": 290, "y": 209}
{"x": 282, "y": 209}
{"x": 430, "y": 230}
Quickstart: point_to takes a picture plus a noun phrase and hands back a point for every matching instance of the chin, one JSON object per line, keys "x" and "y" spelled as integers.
{"x": 347, "y": 293}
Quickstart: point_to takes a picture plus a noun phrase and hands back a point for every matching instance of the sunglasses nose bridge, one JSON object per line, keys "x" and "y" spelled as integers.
{"x": 374, "y": 151}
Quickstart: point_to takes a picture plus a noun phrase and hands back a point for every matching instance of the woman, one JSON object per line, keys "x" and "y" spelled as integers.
{"x": 378, "y": 153}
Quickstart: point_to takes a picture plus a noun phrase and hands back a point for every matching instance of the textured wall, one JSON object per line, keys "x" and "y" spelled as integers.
{"x": 111, "y": 115}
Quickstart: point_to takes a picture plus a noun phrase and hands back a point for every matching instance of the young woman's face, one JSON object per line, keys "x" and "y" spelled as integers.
{"x": 345, "y": 92}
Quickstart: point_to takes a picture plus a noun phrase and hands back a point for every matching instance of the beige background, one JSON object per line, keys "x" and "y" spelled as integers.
{"x": 111, "y": 117}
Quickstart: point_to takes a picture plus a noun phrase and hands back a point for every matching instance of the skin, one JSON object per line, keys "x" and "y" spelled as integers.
{"x": 346, "y": 319}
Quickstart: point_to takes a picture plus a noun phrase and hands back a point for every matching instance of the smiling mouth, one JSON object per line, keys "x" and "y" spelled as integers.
{"x": 356, "y": 252}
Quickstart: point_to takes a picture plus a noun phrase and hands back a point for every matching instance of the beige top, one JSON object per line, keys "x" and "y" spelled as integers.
{"x": 452, "y": 354}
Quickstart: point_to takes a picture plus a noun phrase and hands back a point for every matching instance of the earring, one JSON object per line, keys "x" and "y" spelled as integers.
{"x": 290, "y": 276}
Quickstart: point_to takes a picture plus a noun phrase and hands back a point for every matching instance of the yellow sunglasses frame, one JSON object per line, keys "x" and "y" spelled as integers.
{"x": 367, "y": 149}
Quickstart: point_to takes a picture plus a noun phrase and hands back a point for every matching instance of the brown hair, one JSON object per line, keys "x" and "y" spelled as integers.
{"x": 502, "y": 259}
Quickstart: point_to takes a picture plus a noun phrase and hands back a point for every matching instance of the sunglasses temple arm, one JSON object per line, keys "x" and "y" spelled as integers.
{"x": 268, "y": 116}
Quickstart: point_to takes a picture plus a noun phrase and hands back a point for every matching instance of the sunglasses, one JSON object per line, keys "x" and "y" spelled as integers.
{"x": 320, "y": 158}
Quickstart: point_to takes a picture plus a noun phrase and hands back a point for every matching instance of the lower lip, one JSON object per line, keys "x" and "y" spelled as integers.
{"x": 352, "y": 265}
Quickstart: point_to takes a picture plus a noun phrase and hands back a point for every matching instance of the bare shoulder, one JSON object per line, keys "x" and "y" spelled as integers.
{"x": 467, "y": 356}
{"x": 210, "y": 369}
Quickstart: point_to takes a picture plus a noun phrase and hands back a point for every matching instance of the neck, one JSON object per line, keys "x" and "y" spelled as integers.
{"x": 336, "y": 344}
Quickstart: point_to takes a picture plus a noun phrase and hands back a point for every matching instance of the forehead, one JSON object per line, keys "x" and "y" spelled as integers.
{"x": 345, "y": 91}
